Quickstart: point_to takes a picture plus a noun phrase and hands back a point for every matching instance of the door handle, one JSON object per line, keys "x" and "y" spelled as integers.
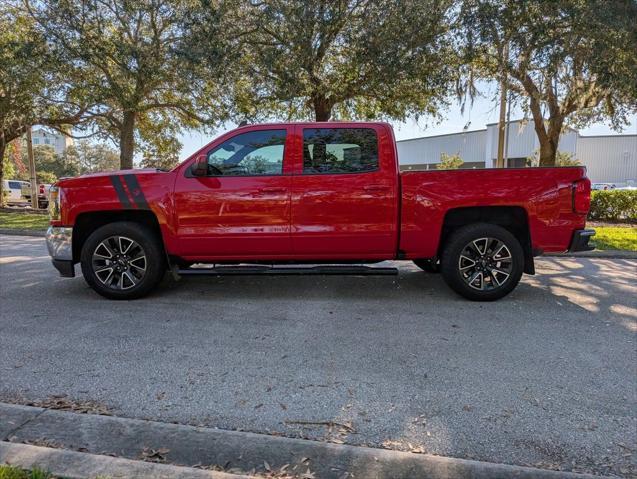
{"x": 376, "y": 188}
{"x": 273, "y": 189}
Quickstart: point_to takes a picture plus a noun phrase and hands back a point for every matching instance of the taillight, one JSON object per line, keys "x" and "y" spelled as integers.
{"x": 582, "y": 195}
{"x": 42, "y": 189}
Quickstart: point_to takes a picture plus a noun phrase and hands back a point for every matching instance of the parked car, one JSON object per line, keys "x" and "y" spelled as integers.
{"x": 314, "y": 193}
{"x": 13, "y": 191}
{"x": 603, "y": 186}
{"x": 43, "y": 194}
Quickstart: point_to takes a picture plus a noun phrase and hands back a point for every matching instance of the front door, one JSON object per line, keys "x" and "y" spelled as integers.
{"x": 242, "y": 207}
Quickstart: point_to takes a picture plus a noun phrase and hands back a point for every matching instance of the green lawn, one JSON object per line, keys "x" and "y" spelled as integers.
{"x": 9, "y": 472}
{"x": 616, "y": 237}
{"x": 23, "y": 221}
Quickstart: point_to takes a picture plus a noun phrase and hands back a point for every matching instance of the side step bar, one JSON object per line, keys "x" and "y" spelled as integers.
{"x": 289, "y": 270}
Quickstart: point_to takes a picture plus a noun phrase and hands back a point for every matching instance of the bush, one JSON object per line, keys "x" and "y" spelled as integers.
{"x": 613, "y": 205}
{"x": 450, "y": 162}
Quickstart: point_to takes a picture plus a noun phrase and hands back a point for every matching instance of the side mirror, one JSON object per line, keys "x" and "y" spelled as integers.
{"x": 200, "y": 166}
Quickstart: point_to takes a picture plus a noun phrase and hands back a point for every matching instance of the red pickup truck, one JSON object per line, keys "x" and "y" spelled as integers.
{"x": 314, "y": 193}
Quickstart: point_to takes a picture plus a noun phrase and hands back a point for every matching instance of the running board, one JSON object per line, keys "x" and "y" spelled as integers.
{"x": 290, "y": 270}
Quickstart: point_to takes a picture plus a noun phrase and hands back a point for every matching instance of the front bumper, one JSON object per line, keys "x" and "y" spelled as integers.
{"x": 59, "y": 242}
{"x": 580, "y": 240}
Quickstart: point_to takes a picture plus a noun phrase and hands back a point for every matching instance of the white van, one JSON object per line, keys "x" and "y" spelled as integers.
{"x": 13, "y": 189}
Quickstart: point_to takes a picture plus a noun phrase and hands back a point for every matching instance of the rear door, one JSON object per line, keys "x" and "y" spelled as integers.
{"x": 242, "y": 208}
{"x": 344, "y": 192}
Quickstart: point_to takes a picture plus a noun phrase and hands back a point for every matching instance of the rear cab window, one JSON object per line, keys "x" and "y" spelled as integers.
{"x": 339, "y": 150}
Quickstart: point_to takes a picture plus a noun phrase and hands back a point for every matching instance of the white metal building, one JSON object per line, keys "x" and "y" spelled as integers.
{"x": 609, "y": 159}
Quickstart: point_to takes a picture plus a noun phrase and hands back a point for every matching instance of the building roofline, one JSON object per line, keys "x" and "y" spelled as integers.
{"x": 529, "y": 121}
{"x": 444, "y": 134}
{"x": 617, "y": 135}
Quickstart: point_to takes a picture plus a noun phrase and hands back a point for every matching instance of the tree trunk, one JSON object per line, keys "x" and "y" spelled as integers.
{"x": 548, "y": 149}
{"x": 3, "y": 148}
{"x": 127, "y": 141}
{"x": 322, "y": 108}
{"x": 548, "y": 139}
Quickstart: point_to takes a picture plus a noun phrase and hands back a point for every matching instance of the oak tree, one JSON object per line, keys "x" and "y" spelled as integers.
{"x": 574, "y": 62}
{"x": 128, "y": 51}
{"x": 35, "y": 85}
{"x": 352, "y": 59}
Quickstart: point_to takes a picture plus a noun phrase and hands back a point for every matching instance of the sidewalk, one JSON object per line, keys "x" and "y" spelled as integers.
{"x": 98, "y": 437}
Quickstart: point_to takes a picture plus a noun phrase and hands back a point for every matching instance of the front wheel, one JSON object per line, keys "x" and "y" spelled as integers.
{"x": 482, "y": 262}
{"x": 123, "y": 260}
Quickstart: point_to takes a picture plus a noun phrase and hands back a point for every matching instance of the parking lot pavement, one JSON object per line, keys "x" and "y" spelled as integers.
{"x": 545, "y": 377}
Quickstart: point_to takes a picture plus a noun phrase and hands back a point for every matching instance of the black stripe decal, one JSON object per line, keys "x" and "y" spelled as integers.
{"x": 121, "y": 192}
{"x": 136, "y": 192}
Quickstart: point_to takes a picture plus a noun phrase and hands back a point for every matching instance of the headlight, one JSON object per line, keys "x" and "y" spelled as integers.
{"x": 54, "y": 203}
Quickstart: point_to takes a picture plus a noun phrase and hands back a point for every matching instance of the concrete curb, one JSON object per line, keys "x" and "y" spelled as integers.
{"x": 189, "y": 445}
{"x": 14, "y": 232}
{"x": 80, "y": 465}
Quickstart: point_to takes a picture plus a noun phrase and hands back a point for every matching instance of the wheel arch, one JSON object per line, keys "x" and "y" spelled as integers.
{"x": 512, "y": 218}
{"x": 88, "y": 222}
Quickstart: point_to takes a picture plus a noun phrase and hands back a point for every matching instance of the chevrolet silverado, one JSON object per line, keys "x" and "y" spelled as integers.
{"x": 324, "y": 194}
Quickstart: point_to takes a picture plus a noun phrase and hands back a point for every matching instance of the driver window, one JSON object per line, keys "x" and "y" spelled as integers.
{"x": 249, "y": 154}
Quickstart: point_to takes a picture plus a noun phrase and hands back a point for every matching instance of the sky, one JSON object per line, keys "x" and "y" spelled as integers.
{"x": 476, "y": 116}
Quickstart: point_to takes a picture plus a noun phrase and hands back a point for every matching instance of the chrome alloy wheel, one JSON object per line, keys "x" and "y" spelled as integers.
{"x": 485, "y": 264}
{"x": 119, "y": 262}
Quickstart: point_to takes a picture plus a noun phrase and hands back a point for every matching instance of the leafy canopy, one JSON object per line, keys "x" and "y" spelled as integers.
{"x": 133, "y": 69}
{"x": 36, "y": 85}
{"x": 359, "y": 59}
{"x": 573, "y": 61}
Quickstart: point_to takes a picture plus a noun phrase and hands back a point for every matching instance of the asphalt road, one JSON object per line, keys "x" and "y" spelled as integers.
{"x": 545, "y": 377}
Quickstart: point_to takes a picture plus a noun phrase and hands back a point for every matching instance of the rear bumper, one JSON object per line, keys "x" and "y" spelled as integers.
{"x": 580, "y": 240}
{"x": 59, "y": 242}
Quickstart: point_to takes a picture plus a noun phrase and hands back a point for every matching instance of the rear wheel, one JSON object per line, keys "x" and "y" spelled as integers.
{"x": 482, "y": 262}
{"x": 428, "y": 265}
{"x": 123, "y": 260}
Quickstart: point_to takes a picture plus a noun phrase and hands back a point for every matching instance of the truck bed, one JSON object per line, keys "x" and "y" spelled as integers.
{"x": 544, "y": 195}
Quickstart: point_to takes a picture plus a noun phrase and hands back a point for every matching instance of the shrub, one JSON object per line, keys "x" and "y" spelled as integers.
{"x": 613, "y": 205}
{"x": 450, "y": 162}
{"x": 562, "y": 158}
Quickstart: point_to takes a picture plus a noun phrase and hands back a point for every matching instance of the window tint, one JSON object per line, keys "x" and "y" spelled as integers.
{"x": 339, "y": 150}
{"x": 15, "y": 185}
{"x": 249, "y": 154}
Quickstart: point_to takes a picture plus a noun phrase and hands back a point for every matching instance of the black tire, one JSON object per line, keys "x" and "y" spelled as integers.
{"x": 491, "y": 276}
{"x": 428, "y": 265}
{"x": 132, "y": 282}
